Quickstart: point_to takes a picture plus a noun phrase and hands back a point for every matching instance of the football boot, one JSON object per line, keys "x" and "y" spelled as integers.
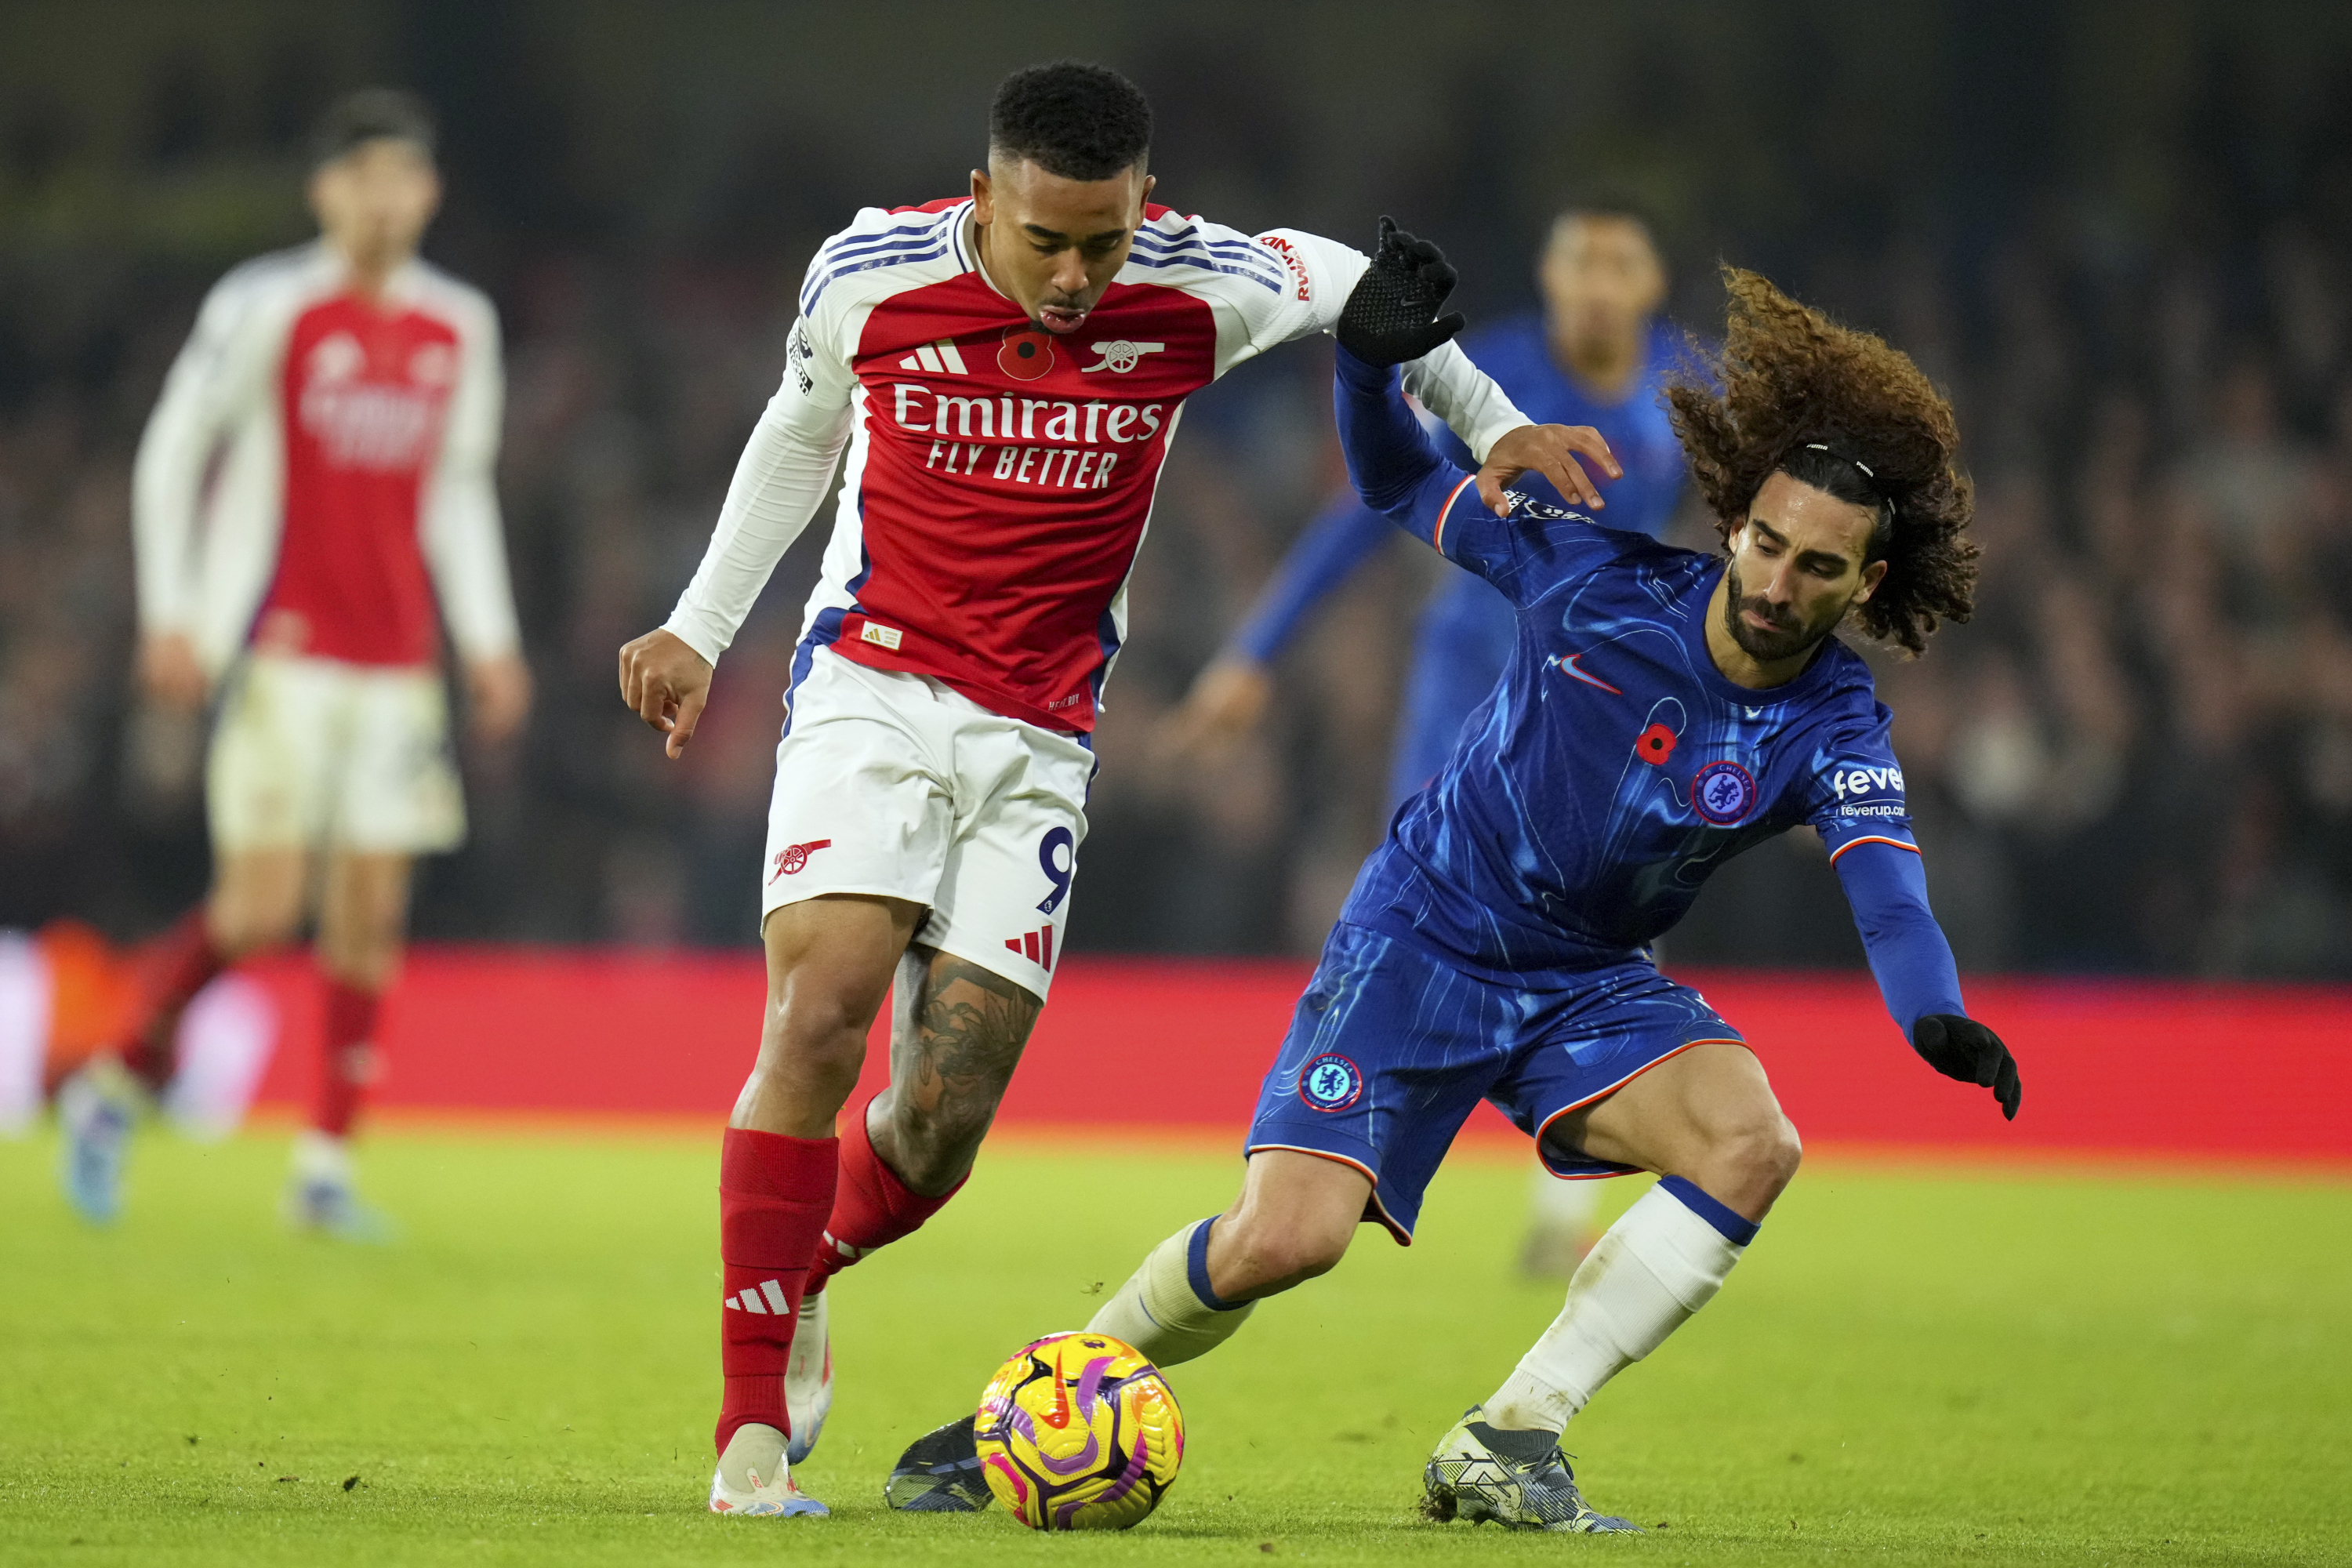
{"x": 808, "y": 1378}
{"x": 329, "y": 1206}
{"x": 754, "y": 1479}
{"x": 97, "y": 1109}
{"x": 1520, "y": 1479}
{"x": 940, "y": 1473}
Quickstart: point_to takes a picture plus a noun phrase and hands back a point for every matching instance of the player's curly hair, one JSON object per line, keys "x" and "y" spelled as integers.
{"x": 1842, "y": 411}
{"x": 1078, "y": 120}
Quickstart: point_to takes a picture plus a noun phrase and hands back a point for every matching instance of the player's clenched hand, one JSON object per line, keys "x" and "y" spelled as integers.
{"x": 1390, "y": 315}
{"x": 499, "y": 691}
{"x": 667, "y": 683}
{"x": 1965, "y": 1050}
{"x": 1550, "y": 450}
{"x": 170, "y": 672}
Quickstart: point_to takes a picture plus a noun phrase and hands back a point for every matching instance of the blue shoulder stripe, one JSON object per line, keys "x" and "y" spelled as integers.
{"x": 841, "y": 242}
{"x": 1202, "y": 261}
{"x": 818, "y": 286}
{"x": 1231, "y": 250}
{"x": 1193, "y": 236}
{"x": 879, "y": 247}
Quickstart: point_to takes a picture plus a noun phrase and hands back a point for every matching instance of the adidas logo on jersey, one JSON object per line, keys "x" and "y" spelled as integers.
{"x": 1037, "y": 945}
{"x": 939, "y": 357}
{"x": 1121, "y": 356}
{"x": 767, "y": 1299}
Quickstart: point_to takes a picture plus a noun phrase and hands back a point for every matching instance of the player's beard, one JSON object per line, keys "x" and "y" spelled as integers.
{"x": 1789, "y": 637}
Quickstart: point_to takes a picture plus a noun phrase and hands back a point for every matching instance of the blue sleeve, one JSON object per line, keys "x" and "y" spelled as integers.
{"x": 1886, "y": 884}
{"x": 1342, "y": 534}
{"x": 1399, "y": 471}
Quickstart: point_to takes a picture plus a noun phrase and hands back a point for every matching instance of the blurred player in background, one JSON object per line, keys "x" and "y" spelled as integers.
{"x": 66, "y": 996}
{"x": 1005, "y": 370}
{"x": 1663, "y": 710}
{"x": 349, "y": 395}
{"x": 1596, "y": 356}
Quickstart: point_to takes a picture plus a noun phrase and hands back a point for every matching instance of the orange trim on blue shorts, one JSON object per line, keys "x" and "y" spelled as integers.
{"x": 1544, "y": 1126}
{"x": 1373, "y": 1207}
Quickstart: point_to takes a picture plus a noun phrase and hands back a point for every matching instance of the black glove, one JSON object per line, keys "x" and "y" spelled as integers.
{"x": 1965, "y": 1050}
{"x": 1387, "y": 320}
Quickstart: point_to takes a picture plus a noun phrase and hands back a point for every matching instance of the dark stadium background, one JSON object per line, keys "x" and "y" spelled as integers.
{"x": 2118, "y": 232}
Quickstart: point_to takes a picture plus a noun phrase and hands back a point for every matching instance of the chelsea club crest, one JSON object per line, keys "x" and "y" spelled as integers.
{"x": 1330, "y": 1082}
{"x": 1723, "y": 792}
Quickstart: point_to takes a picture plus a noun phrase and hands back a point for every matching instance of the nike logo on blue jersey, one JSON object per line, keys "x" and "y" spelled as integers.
{"x": 1567, "y": 661}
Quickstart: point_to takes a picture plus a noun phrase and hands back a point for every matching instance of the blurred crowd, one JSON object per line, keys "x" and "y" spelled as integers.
{"x": 2137, "y": 757}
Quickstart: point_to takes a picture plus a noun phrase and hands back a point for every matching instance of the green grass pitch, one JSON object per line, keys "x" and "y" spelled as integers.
{"x": 1912, "y": 1365}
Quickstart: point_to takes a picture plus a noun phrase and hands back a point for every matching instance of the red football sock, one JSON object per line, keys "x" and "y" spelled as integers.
{"x": 348, "y": 1061}
{"x": 172, "y": 967}
{"x": 774, "y": 1194}
{"x": 873, "y": 1207}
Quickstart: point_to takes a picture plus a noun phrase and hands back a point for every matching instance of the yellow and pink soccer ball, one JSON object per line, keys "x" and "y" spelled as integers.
{"x": 1078, "y": 1431}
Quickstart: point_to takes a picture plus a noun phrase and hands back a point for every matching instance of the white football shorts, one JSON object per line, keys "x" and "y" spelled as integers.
{"x": 898, "y": 786}
{"x": 314, "y": 753}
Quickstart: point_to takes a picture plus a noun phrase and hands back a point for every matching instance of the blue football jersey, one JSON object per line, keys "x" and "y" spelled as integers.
{"x": 1614, "y": 767}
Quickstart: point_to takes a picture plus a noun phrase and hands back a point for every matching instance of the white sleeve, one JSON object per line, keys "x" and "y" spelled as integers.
{"x": 465, "y": 547}
{"x": 779, "y": 483}
{"x": 1320, "y": 274}
{"x": 1465, "y": 397}
{"x": 219, "y": 372}
{"x": 1323, "y": 273}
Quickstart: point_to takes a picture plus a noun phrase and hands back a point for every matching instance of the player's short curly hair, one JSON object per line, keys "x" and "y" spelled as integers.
{"x": 1079, "y": 121}
{"x": 1841, "y": 410}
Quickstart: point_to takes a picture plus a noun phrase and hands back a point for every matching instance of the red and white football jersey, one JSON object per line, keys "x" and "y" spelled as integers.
{"x": 356, "y": 484}
{"x": 1000, "y": 477}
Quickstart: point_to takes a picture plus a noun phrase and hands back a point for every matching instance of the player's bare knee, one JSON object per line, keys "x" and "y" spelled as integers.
{"x": 1761, "y": 1158}
{"x": 243, "y": 925}
{"x": 1268, "y": 1253}
{"x": 820, "y": 1045}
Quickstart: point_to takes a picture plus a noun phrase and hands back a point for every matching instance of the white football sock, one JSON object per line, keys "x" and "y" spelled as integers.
{"x": 755, "y": 1458}
{"x": 1663, "y": 1260}
{"x": 321, "y": 1157}
{"x": 1166, "y": 1309}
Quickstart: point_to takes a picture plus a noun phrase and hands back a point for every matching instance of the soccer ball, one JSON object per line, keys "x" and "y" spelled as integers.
{"x": 1077, "y": 1431}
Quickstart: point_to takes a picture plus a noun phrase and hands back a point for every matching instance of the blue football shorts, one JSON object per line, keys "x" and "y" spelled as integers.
{"x": 1390, "y": 1049}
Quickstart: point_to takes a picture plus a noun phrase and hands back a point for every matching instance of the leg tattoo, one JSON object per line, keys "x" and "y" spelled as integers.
{"x": 960, "y": 1033}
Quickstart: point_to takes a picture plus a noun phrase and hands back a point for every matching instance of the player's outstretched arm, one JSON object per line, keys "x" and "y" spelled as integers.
{"x": 1342, "y": 537}
{"x": 1232, "y": 691}
{"x": 1392, "y": 316}
{"x": 1391, "y": 461}
{"x": 1887, "y": 886}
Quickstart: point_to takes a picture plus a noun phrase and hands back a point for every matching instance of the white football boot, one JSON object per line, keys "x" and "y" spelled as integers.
{"x": 754, "y": 1479}
{"x": 808, "y": 1377}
